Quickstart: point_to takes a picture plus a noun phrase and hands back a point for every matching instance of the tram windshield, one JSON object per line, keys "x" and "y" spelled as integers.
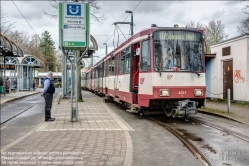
{"x": 178, "y": 51}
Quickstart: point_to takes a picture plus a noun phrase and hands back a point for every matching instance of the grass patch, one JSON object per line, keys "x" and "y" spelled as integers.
{"x": 80, "y": 100}
{"x": 240, "y": 103}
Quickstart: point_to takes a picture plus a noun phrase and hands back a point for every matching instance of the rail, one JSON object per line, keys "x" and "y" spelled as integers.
{"x": 199, "y": 156}
{"x": 225, "y": 130}
{"x": 21, "y": 112}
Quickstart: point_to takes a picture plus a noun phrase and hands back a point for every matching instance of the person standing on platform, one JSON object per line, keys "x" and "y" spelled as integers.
{"x": 7, "y": 84}
{"x": 47, "y": 92}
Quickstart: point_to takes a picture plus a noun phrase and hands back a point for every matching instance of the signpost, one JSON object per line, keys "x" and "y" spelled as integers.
{"x": 74, "y": 34}
{"x": 74, "y": 21}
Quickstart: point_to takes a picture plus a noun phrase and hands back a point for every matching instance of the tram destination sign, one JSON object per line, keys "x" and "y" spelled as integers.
{"x": 73, "y": 23}
{"x": 178, "y": 35}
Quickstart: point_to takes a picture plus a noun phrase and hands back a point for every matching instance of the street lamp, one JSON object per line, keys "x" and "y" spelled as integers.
{"x": 129, "y": 11}
{"x": 105, "y": 48}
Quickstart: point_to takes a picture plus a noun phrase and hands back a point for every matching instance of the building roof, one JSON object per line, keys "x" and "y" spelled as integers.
{"x": 210, "y": 55}
{"x": 9, "y": 48}
{"x": 237, "y": 37}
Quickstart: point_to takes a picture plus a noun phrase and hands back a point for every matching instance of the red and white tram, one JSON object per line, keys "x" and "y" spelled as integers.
{"x": 157, "y": 69}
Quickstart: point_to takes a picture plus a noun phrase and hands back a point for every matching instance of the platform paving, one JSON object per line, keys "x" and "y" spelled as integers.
{"x": 100, "y": 137}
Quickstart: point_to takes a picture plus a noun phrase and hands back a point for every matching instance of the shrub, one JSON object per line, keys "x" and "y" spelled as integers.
{"x": 57, "y": 85}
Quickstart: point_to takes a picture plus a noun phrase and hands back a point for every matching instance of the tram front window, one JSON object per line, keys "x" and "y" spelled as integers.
{"x": 178, "y": 51}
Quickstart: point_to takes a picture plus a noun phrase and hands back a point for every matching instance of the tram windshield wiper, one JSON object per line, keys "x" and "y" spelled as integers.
{"x": 198, "y": 74}
{"x": 160, "y": 72}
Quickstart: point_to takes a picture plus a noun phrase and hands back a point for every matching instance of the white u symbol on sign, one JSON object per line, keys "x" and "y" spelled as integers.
{"x": 73, "y": 11}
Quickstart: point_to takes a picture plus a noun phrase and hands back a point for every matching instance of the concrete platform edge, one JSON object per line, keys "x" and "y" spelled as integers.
{"x": 19, "y": 97}
{"x": 222, "y": 116}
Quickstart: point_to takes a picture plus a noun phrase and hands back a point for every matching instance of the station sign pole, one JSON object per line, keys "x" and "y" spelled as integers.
{"x": 74, "y": 34}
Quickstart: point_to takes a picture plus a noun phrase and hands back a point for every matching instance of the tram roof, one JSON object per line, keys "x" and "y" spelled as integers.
{"x": 144, "y": 32}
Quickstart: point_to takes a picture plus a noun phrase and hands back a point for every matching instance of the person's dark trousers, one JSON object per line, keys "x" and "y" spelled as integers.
{"x": 48, "y": 99}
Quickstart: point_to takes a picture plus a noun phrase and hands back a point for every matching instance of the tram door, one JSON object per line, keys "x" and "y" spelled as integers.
{"x": 116, "y": 73}
{"x": 134, "y": 71}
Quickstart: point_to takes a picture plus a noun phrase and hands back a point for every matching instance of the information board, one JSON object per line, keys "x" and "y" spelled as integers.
{"x": 73, "y": 23}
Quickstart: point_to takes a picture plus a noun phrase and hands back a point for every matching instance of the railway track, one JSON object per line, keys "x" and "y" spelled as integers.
{"x": 26, "y": 109}
{"x": 220, "y": 128}
{"x": 198, "y": 154}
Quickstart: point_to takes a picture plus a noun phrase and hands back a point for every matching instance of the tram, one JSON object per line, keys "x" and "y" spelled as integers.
{"x": 156, "y": 69}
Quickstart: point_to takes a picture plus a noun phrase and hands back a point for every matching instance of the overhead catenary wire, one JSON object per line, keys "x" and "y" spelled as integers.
{"x": 118, "y": 38}
{"x": 114, "y": 37}
{"x": 122, "y": 33}
{"x": 124, "y": 20}
{"x": 25, "y": 18}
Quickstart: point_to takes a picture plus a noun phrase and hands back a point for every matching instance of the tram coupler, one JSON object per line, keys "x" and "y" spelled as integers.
{"x": 184, "y": 108}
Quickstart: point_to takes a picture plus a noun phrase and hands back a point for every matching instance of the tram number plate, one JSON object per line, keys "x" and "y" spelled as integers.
{"x": 182, "y": 92}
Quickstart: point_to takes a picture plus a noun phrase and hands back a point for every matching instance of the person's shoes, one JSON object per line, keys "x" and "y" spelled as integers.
{"x": 49, "y": 119}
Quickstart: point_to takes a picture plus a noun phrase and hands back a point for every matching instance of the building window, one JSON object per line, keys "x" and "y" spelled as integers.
{"x": 226, "y": 51}
{"x": 145, "y": 66}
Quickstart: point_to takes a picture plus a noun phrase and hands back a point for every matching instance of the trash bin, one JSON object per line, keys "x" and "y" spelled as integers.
{"x": 1, "y": 89}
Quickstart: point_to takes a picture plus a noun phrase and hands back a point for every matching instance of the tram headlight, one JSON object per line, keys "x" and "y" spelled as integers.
{"x": 198, "y": 92}
{"x": 164, "y": 92}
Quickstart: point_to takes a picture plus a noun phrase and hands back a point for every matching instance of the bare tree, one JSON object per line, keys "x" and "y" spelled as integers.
{"x": 214, "y": 32}
{"x": 34, "y": 49}
{"x": 21, "y": 38}
{"x": 245, "y": 9}
{"x": 5, "y": 25}
{"x": 95, "y": 8}
{"x": 243, "y": 28}
{"x": 58, "y": 63}
{"x": 193, "y": 24}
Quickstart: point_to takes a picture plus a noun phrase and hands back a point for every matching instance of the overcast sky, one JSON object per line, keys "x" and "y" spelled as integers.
{"x": 162, "y": 13}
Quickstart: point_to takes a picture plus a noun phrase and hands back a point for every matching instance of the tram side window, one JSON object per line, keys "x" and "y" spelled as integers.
{"x": 101, "y": 70}
{"x": 111, "y": 66}
{"x": 116, "y": 66}
{"x": 127, "y": 60}
{"x": 106, "y": 67}
{"x": 119, "y": 57}
{"x": 96, "y": 72}
{"x": 145, "y": 66}
{"x": 120, "y": 64}
{"x": 123, "y": 62}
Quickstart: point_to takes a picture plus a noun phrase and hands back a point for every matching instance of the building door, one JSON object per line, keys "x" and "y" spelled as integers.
{"x": 228, "y": 78}
{"x": 25, "y": 78}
